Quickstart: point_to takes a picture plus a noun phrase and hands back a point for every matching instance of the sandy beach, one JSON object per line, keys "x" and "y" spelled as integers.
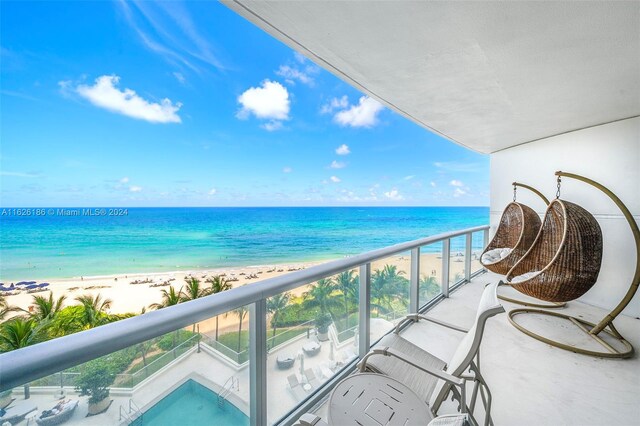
{"x": 133, "y": 292}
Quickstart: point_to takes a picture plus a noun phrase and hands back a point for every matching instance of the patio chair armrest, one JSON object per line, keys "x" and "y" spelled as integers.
{"x": 391, "y": 352}
{"x": 309, "y": 419}
{"x": 417, "y": 317}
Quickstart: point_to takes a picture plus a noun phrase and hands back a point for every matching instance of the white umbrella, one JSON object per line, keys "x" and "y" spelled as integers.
{"x": 301, "y": 355}
{"x": 332, "y": 356}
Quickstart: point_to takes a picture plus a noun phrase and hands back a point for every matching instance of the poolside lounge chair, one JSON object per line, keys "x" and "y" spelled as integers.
{"x": 311, "y": 378}
{"x": 296, "y": 388}
{"x": 325, "y": 370}
{"x": 59, "y": 414}
{"x": 15, "y": 413}
{"x": 420, "y": 370}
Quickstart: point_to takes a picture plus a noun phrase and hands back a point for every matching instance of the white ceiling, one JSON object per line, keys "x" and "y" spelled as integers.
{"x": 486, "y": 75}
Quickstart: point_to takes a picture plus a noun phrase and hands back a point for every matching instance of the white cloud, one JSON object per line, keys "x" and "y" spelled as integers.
{"x": 456, "y": 183}
{"x": 134, "y": 188}
{"x": 343, "y": 150}
{"x": 408, "y": 177}
{"x": 335, "y": 104}
{"x": 337, "y": 165}
{"x": 287, "y": 170}
{"x": 433, "y": 184}
{"x": 270, "y": 101}
{"x": 272, "y": 126}
{"x": 459, "y": 192}
{"x": 124, "y": 180}
{"x": 394, "y": 195}
{"x": 365, "y": 114}
{"x": 179, "y": 77}
{"x": 299, "y": 57}
{"x": 19, "y": 174}
{"x": 168, "y": 29}
{"x": 335, "y": 179}
{"x": 291, "y": 74}
{"x": 105, "y": 94}
{"x": 212, "y": 191}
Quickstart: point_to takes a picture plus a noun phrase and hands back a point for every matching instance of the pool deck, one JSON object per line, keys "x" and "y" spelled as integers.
{"x": 532, "y": 383}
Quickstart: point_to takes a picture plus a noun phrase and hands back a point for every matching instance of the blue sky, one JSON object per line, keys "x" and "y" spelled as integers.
{"x": 187, "y": 104}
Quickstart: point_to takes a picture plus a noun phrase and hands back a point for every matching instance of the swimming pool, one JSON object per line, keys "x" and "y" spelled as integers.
{"x": 193, "y": 404}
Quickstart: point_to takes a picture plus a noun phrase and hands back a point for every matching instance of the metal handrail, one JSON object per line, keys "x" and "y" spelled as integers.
{"x": 27, "y": 364}
{"x": 227, "y": 388}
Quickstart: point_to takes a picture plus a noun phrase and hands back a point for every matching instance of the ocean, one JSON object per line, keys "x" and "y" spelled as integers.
{"x": 65, "y": 243}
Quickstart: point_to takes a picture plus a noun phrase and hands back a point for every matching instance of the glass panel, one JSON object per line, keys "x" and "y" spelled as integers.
{"x": 477, "y": 246}
{"x": 182, "y": 377}
{"x": 389, "y": 293}
{"x": 311, "y": 335}
{"x": 456, "y": 263}
{"x": 430, "y": 272}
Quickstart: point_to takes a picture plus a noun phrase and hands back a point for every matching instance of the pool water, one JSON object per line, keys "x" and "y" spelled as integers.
{"x": 193, "y": 404}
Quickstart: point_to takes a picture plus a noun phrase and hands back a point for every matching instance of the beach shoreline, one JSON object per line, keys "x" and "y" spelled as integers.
{"x": 129, "y": 296}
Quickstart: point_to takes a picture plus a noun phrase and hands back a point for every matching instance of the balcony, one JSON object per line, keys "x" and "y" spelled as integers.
{"x": 532, "y": 383}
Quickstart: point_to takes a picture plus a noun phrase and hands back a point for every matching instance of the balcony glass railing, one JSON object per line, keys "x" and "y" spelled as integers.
{"x": 271, "y": 349}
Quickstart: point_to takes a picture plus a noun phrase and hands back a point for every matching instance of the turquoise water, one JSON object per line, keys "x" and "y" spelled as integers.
{"x": 167, "y": 239}
{"x": 193, "y": 404}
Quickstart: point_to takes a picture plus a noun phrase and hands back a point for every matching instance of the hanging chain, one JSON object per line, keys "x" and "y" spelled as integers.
{"x": 514, "y": 193}
{"x": 558, "y": 191}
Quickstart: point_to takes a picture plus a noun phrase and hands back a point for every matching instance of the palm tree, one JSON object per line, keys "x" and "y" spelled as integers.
{"x": 321, "y": 294}
{"x": 169, "y": 298}
{"x": 274, "y": 305}
{"x": 19, "y": 333}
{"x": 218, "y": 285}
{"x": 397, "y": 284}
{"x": 347, "y": 283}
{"x": 241, "y": 312}
{"x": 379, "y": 291}
{"x": 193, "y": 290}
{"x": 143, "y": 349}
{"x": 5, "y": 308}
{"x": 428, "y": 287}
{"x": 46, "y": 308}
{"x": 94, "y": 310}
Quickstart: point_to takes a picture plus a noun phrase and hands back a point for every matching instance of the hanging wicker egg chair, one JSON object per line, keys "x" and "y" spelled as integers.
{"x": 516, "y": 231}
{"x": 564, "y": 261}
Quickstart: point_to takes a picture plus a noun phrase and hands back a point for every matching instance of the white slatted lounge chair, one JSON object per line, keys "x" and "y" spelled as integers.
{"x": 311, "y": 378}
{"x": 16, "y": 413}
{"x": 417, "y": 368}
{"x": 296, "y": 388}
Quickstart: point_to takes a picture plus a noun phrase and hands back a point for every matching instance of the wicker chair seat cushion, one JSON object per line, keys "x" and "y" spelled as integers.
{"x": 495, "y": 255}
{"x": 524, "y": 277}
{"x": 418, "y": 381}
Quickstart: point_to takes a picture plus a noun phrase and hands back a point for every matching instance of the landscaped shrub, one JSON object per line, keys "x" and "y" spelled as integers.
{"x": 171, "y": 340}
{"x": 295, "y": 314}
{"x": 94, "y": 380}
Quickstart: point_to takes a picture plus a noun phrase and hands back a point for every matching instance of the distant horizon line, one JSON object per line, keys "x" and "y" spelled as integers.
{"x": 223, "y": 207}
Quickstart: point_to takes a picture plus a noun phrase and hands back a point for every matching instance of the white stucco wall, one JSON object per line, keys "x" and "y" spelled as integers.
{"x": 608, "y": 154}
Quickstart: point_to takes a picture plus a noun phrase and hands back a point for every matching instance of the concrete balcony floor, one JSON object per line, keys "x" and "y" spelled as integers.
{"x": 534, "y": 383}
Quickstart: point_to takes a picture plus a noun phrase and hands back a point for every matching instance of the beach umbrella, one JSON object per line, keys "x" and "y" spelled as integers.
{"x": 332, "y": 356}
{"x": 301, "y": 355}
